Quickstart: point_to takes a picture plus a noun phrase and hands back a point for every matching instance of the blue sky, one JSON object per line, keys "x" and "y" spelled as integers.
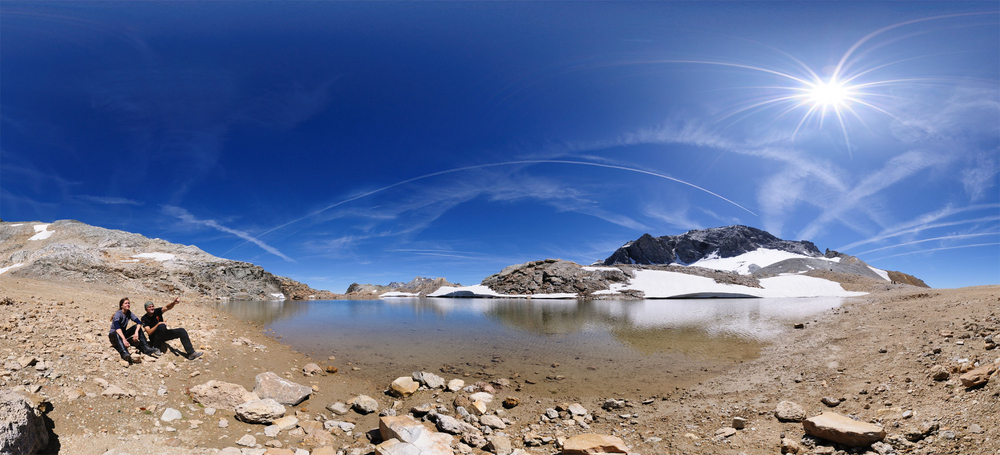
{"x": 373, "y": 142}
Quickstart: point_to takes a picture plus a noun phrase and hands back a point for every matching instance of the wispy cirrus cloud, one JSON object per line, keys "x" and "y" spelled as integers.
{"x": 108, "y": 200}
{"x": 190, "y": 219}
{"x": 928, "y": 221}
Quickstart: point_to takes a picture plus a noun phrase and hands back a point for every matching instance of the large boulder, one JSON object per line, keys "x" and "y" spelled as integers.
{"x": 22, "y": 428}
{"x": 288, "y": 393}
{"x": 591, "y": 443}
{"x": 843, "y": 430}
{"x": 404, "y": 435}
{"x": 260, "y": 411}
{"x": 221, "y": 395}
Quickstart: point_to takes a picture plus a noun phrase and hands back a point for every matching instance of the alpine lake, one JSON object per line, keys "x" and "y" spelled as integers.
{"x": 567, "y": 347}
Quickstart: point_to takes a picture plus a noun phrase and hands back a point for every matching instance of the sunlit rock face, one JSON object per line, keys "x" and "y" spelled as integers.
{"x": 692, "y": 246}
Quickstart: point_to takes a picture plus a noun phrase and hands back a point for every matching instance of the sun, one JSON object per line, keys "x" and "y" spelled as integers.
{"x": 830, "y": 94}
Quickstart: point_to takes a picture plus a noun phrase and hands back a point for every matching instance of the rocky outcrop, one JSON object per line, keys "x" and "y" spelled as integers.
{"x": 69, "y": 250}
{"x": 553, "y": 276}
{"x": 692, "y": 246}
{"x": 22, "y": 428}
{"x": 419, "y": 285}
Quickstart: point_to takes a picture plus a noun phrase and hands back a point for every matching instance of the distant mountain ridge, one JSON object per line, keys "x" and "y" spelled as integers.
{"x": 69, "y": 250}
{"x": 418, "y": 285}
{"x": 694, "y": 245}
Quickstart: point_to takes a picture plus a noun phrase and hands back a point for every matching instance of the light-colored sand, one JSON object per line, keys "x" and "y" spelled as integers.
{"x": 837, "y": 354}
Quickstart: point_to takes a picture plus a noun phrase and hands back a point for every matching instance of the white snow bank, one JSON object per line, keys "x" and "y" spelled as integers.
{"x": 398, "y": 294}
{"x": 763, "y": 257}
{"x": 155, "y": 256}
{"x": 4, "y": 269}
{"x": 278, "y": 296}
{"x": 16, "y": 224}
{"x": 464, "y": 291}
{"x": 598, "y": 269}
{"x": 659, "y": 284}
{"x": 129, "y": 260}
{"x": 881, "y": 273}
{"x": 43, "y": 232}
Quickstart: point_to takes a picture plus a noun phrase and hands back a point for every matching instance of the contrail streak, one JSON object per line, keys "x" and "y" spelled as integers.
{"x": 483, "y": 166}
{"x": 949, "y": 237}
{"x": 936, "y": 249}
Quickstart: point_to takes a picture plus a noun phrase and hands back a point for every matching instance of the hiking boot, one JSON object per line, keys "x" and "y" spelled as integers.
{"x": 194, "y": 355}
{"x": 155, "y": 353}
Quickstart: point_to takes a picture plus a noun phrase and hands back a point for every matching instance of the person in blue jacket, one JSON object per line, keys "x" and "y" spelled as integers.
{"x": 120, "y": 333}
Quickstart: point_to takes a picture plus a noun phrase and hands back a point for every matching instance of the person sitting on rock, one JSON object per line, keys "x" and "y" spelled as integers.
{"x": 120, "y": 333}
{"x": 158, "y": 332}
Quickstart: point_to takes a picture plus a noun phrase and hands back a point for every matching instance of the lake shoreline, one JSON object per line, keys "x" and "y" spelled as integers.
{"x": 839, "y": 354}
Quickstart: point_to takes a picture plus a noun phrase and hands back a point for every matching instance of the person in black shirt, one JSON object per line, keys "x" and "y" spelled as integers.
{"x": 158, "y": 332}
{"x": 120, "y": 333}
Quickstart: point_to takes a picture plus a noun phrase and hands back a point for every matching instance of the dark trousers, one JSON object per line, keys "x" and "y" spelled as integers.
{"x": 163, "y": 334}
{"x": 116, "y": 341}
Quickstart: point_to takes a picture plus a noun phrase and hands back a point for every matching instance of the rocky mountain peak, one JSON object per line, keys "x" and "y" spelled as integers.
{"x": 694, "y": 245}
{"x": 69, "y": 250}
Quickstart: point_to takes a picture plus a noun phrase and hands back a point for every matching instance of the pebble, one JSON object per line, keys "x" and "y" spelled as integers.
{"x": 171, "y": 414}
{"x": 247, "y": 441}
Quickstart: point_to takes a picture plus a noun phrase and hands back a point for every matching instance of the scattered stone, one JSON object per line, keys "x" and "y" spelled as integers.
{"x": 499, "y": 445}
{"x": 787, "y": 411}
{"x": 286, "y": 423}
{"x": 270, "y": 385}
{"x": 260, "y": 411}
{"x": 455, "y": 385}
{"x": 223, "y": 423}
{"x": 451, "y": 425}
{"x": 114, "y": 392}
{"x": 403, "y": 386}
{"x": 224, "y": 395}
{"x": 230, "y": 451}
{"x": 725, "y": 432}
{"x": 431, "y": 380}
{"x": 611, "y": 404}
{"x": 843, "y": 430}
{"x": 23, "y": 430}
{"x": 577, "y": 409}
{"x": 311, "y": 369}
{"x": 510, "y": 402}
{"x": 590, "y": 443}
{"x": 790, "y": 446}
{"x": 365, "y": 404}
{"x": 331, "y": 369}
{"x": 403, "y": 436}
{"x": 481, "y": 396}
{"x": 478, "y": 407}
{"x": 247, "y": 441}
{"x": 493, "y": 421}
{"x": 739, "y": 423}
{"x": 975, "y": 429}
{"x": 830, "y": 401}
{"x": 978, "y": 377}
{"x": 338, "y": 408}
{"x": 171, "y": 414}
{"x": 940, "y": 373}
{"x": 210, "y": 411}
{"x": 271, "y": 431}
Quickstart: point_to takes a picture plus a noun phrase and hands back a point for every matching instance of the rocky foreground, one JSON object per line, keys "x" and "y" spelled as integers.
{"x": 901, "y": 371}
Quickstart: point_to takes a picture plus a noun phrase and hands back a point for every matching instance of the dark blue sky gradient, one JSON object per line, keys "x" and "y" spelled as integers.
{"x": 211, "y": 123}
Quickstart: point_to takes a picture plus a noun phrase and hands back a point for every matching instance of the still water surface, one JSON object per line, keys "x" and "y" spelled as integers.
{"x": 598, "y": 347}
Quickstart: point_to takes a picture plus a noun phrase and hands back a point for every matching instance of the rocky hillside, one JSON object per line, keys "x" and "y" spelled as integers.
{"x": 69, "y": 250}
{"x": 419, "y": 285}
{"x": 692, "y": 246}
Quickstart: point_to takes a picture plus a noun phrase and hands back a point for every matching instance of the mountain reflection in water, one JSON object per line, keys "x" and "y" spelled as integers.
{"x": 600, "y": 345}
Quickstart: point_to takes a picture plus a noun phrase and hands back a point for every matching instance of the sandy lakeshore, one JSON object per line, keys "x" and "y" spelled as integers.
{"x": 872, "y": 356}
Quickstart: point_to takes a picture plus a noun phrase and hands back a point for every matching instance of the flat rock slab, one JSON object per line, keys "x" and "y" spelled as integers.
{"x": 404, "y": 436}
{"x": 978, "y": 377}
{"x": 843, "y": 430}
{"x": 288, "y": 393}
{"x": 260, "y": 411}
{"x": 590, "y": 443}
{"x": 221, "y": 395}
